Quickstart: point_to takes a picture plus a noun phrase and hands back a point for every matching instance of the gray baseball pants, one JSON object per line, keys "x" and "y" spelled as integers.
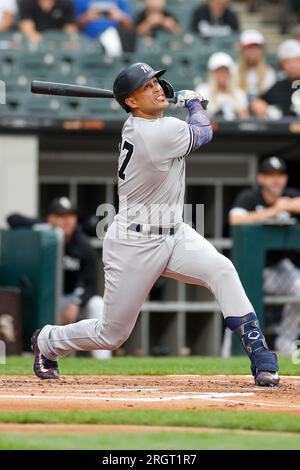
{"x": 132, "y": 264}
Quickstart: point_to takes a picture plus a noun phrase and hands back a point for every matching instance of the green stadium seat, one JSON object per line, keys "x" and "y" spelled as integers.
{"x": 8, "y": 60}
{"x": 10, "y": 40}
{"x": 96, "y": 66}
{"x": 35, "y": 65}
{"x": 44, "y": 106}
{"x": 14, "y": 99}
{"x": 55, "y": 38}
{"x": 228, "y": 44}
{"x": 100, "y": 109}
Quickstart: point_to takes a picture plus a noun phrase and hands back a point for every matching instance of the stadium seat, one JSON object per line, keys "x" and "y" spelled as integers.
{"x": 36, "y": 65}
{"x": 14, "y": 99}
{"x": 10, "y": 40}
{"x": 41, "y": 105}
{"x": 8, "y": 60}
{"x": 228, "y": 44}
{"x": 100, "y": 109}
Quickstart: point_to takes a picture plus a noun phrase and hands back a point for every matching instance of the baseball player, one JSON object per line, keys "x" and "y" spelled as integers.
{"x": 148, "y": 238}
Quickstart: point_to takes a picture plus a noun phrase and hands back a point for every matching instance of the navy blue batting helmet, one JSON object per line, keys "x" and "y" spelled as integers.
{"x": 133, "y": 77}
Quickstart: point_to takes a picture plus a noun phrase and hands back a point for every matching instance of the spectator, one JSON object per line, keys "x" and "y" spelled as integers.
{"x": 274, "y": 200}
{"x": 283, "y": 97}
{"x": 80, "y": 269}
{"x": 8, "y": 10}
{"x": 214, "y": 19}
{"x": 104, "y": 20}
{"x": 225, "y": 98}
{"x": 297, "y": 32}
{"x": 154, "y": 18}
{"x": 253, "y": 5}
{"x": 37, "y": 16}
{"x": 80, "y": 299}
{"x": 295, "y": 7}
{"x": 255, "y": 76}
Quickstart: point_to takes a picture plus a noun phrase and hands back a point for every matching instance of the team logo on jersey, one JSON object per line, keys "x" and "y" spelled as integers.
{"x": 145, "y": 68}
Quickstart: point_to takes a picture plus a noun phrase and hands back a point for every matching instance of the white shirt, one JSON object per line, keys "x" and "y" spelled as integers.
{"x": 253, "y": 84}
{"x": 9, "y": 6}
{"x": 151, "y": 181}
{"x": 226, "y": 103}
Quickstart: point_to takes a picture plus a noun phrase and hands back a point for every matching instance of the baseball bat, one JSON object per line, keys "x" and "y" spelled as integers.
{"x": 66, "y": 89}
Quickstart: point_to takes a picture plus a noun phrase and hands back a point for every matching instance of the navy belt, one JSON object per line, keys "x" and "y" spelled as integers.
{"x": 154, "y": 229}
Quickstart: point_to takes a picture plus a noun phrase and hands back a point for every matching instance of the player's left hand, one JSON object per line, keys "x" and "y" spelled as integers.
{"x": 184, "y": 96}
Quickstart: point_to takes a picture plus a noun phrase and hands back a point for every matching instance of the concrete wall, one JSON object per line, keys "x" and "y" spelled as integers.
{"x": 18, "y": 175}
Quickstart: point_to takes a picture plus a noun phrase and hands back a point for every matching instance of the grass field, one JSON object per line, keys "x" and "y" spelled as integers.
{"x": 201, "y": 429}
{"x": 151, "y": 440}
{"x": 146, "y": 366}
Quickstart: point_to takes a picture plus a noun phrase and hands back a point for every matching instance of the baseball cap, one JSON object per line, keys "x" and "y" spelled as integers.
{"x": 289, "y": 49}
{"x": 251, "y": 36}
{"x": 60, "y": 206}
{"x": 272, "y": 164}
{"x": 220, "y": 59}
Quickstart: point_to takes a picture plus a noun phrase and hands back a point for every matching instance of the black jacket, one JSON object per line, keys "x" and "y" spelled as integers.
{"x": 205, "y": 24}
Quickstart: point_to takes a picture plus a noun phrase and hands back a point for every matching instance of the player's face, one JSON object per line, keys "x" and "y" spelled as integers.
{"x": 67, "y": 222}
{"x": 273, "y": 183}
{"x": 148, "y": 101}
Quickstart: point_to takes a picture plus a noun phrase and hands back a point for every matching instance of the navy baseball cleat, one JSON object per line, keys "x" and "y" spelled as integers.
{"x": 43, "y": 367}
{"x": 265, "y": 378}
{"x": 264, "y": 364}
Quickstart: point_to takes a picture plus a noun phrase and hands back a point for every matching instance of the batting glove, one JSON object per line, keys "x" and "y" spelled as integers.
{"x": 184, "y": 96}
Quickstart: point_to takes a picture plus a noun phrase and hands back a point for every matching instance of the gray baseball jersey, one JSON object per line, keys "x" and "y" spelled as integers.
{"x": 152, "y": 170}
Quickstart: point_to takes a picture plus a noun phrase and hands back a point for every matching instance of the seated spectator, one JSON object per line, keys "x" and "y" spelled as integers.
{"x": 80, "y": 299}
{"x": 214, "y": 19}
{"x": 8, "y": 10}
{"x": 274, "y": 200}
{"x": 37, "y": 16}
{"x": 255, "y": 76}
{"x": 225, "y": 98}
{"x": 104, "y": 20}
{"x": 297, "y": 32}
{"x": 154, "y": 18}
{"x": 253, "y": 5}
{"x": 283, "y": 97}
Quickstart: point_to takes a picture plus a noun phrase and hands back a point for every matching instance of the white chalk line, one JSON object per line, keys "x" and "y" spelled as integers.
{"x": 229, "y": 377}
{"x": 203, "y": 396}
{"x": 214, "y": 396}
{"x": 103, "y": 390}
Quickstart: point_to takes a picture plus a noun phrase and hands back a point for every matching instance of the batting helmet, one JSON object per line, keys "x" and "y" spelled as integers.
{"x": 133, "y": 77}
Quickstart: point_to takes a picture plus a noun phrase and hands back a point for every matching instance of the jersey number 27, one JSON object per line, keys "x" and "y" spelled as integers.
{"x": 129, "y": 149}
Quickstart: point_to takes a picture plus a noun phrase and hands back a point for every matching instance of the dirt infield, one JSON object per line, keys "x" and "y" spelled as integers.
{"x": 167, "y": 392}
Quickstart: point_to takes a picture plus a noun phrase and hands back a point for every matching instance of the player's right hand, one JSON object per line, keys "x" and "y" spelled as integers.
{"x": 184, "y": 96}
